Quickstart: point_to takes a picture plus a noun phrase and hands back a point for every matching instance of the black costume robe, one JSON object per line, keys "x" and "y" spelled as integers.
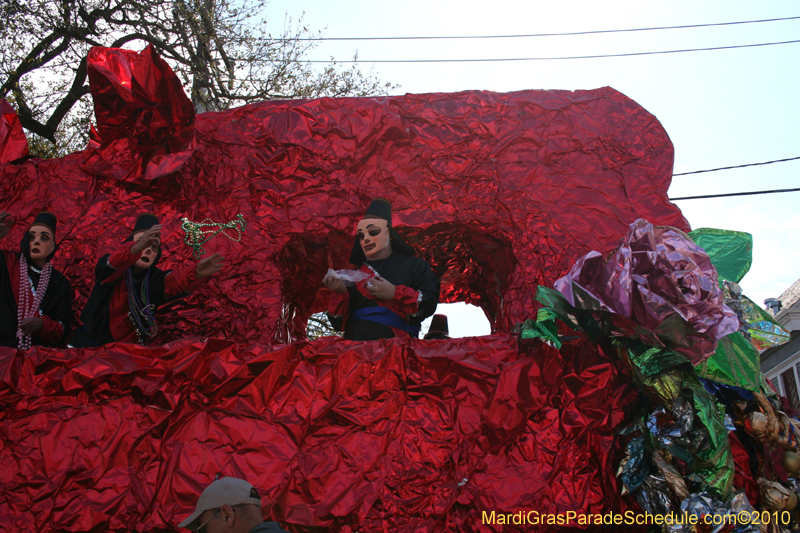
{"x": 416, "y": 297}
{"x": 105, "y": 316}
{"x": 56, "y": 304}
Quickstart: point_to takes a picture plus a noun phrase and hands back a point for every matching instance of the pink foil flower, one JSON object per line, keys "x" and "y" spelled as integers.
{"x": 660, "y": 279}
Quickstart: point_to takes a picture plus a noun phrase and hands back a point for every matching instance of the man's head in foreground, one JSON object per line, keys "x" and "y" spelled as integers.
{"x": 228, "y": 505}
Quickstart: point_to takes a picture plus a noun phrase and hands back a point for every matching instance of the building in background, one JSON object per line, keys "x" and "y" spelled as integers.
{"x": 781, "y": 364}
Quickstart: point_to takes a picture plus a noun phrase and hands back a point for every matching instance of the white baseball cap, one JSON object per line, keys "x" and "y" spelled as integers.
{"x": 226, "y": 491}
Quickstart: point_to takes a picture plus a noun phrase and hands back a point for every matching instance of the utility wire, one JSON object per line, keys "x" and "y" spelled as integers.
{"x": 551, "y": 58}
{"x": 543, "y": 34}
{"x": 749, "y": 193}
{"x": 737, "y": 166}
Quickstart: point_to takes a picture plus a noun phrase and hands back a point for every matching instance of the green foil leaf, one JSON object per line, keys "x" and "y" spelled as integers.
{"x": 731, "y": 252}
{"x": 735, "y": 363}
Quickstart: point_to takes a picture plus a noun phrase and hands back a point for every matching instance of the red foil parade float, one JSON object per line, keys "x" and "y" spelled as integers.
{"x": 500, "y": 193}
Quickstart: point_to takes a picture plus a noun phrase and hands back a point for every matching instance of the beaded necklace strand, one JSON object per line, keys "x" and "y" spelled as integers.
{"x": 141, "y": 310}
{"x": 197, "y": 235}
{"x": 29, "y": 298}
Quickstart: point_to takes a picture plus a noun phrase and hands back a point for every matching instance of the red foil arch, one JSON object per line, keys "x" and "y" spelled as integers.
{"x": 499, "y": 192}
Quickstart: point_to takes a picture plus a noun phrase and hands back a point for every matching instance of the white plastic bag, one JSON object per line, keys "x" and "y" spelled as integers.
{"x": 349, "y": 277}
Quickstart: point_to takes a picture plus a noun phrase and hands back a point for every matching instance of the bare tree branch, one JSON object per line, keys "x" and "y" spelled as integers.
{"x": 77, "y": 90}
{"x": 220, "y": 49}
{"x": 32, "y": 61}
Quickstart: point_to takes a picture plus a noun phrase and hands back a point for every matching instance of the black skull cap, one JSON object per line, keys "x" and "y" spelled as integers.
{"x": 46, "y": 219}
{"x": 144, "y": 222}
{"x": 380, "y": 208}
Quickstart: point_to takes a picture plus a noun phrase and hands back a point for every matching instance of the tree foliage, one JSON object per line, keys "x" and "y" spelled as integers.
{"x": 220, "y": 49}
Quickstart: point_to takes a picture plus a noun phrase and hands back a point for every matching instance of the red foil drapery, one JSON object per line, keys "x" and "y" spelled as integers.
{"x": 499, "y": 192}
{"x": 396, "y": 435}
{"x": 145, "y": 121}
{"x": 13, "y": 143}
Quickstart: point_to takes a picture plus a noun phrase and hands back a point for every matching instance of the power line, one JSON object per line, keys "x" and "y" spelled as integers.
{"x": 593, "y": 32}
{"x": 553, "y": 58}
{"x": 749, "y": 193}
{"x": 737, "y": 166}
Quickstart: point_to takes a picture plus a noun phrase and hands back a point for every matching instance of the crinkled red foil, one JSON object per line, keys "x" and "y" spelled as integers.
{"x": 661, "y": 280}
{"x": 13, "y": 143}
{"x": 499, "y": 192}
{"x": 396, "y": 435}
{"x": 743, "y": 477}
{"x": 145, "y": 121}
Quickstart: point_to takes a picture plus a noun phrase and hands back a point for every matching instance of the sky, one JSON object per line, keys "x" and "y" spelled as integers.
{"x": 720, "y": 108}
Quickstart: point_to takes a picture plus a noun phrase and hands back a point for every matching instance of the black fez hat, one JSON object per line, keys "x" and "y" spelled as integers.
{"x": 49, "y": 221}
{"x": 438, "y": 329}
{"x": 46, "y": 219}
{"x": 144, "y": 222}
{"x": 381, "y": 208}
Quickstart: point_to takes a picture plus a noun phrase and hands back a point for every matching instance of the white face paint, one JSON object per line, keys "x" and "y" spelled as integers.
{"x": 41, "y": 243}
{"x": 148, "y": 255}
{"x": 373, "y": 234}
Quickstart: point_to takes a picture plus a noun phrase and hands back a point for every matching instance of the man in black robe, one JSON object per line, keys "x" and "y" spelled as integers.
{"x": 397, "y": 290}
{"x": 35, "y": 298}
{"x": 129, "y": 289}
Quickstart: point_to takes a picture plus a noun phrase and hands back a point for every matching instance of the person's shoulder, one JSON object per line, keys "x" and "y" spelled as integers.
{"x": 155, "y": 271}
{"x": 157, "y": 275}
{"x": 408, "y": 259}
{"x": 9, "y": 259}
{"x": 266, "y": 527}
{"x": 418, "y": 262}
{"x": 58, "y": 277}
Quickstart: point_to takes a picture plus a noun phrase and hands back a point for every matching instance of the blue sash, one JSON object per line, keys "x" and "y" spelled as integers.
{"x": 384, "y": 316}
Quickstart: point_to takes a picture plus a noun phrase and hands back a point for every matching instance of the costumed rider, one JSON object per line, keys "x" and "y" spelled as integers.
{"x": 396, "y": 291}
{"x": 439, "y": 329}
{"x": 35, "y": 298}
{"x": 129, "y": 289}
